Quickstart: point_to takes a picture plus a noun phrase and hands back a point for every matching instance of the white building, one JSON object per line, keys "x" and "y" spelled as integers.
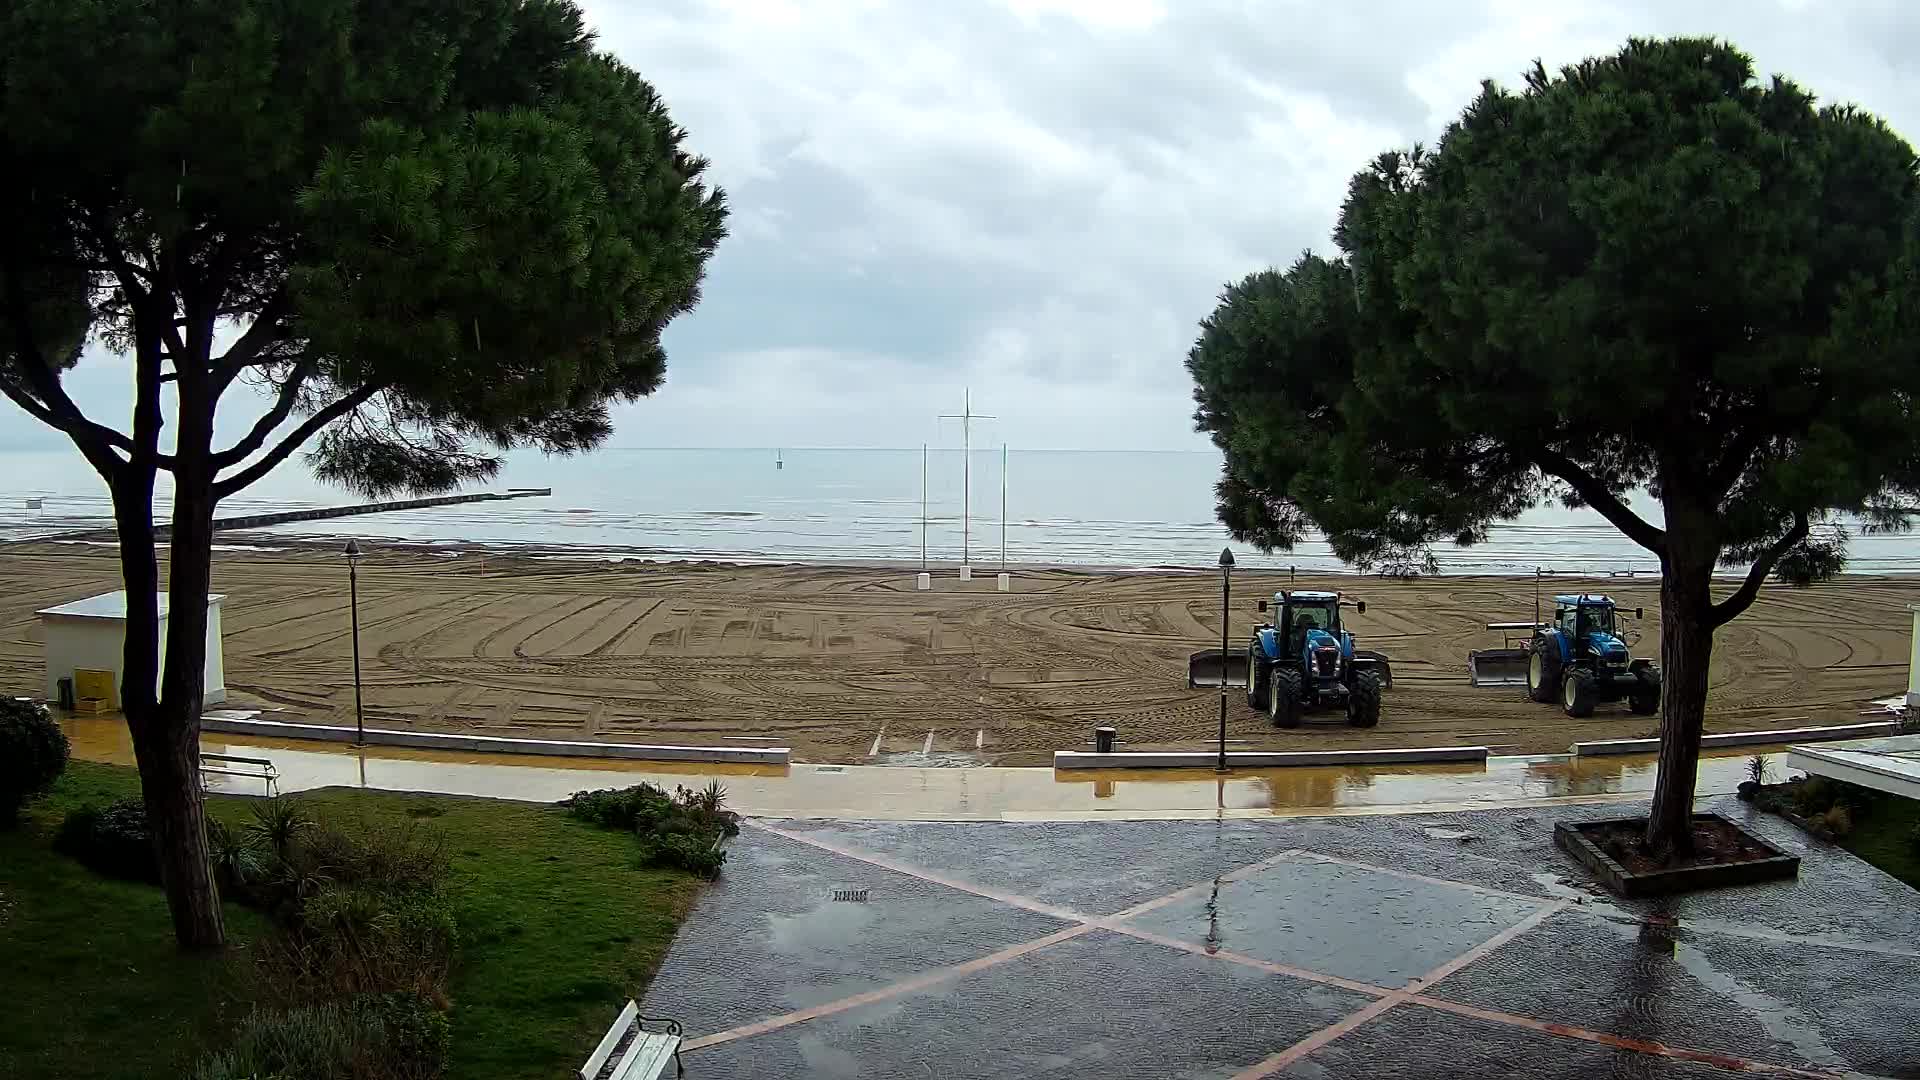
{"x": 91, "y": 635}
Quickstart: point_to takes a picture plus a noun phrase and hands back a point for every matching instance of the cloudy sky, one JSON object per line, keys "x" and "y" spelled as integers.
{"x": 1039, "y": 199}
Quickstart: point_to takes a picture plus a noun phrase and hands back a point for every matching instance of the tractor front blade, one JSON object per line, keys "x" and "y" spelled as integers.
{"x": 1212, "y": 668}
{"x": 1498, "y": 667}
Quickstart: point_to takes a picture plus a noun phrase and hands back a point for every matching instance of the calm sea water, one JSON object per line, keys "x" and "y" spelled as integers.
{"x": 1100, "y": 508}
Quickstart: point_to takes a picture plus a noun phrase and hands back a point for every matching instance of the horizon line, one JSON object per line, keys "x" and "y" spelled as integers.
{"x": 930, "y": 446}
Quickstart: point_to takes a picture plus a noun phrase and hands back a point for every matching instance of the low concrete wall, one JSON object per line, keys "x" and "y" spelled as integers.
{"x": 1259, "y": 759}
{"x": 1744, "y": 738}
{"x": 494, "y": 744}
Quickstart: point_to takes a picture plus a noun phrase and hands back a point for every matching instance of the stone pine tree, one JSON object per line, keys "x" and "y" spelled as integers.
{"x": 427, "y": 232}
{"x": 1648, "y": 272}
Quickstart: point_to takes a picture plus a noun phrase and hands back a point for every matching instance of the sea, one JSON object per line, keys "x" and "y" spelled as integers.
{"x": 1118, "y": 509}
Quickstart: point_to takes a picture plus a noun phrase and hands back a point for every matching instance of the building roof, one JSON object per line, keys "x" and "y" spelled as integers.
{"x": 110, "y": 605}
{"x": 1890, "y": 764}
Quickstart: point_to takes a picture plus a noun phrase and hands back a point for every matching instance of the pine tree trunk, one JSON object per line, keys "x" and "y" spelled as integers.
{"x": 1686, "y": 652}
{"x": 166, "y": 743}
{"x": 166, "y": 733}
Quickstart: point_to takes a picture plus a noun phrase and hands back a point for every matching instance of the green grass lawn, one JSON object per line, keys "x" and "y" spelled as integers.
{"x": 558, "y": 927}
{"x": 1885, "y": 838}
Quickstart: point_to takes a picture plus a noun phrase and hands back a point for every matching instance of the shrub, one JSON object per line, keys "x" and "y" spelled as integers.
{"x": 114, "y": 841}
{"x": 33, "y": 753}
{"x": 679, "y": 831}
{"x": 414, "y": 1035}
{"x": 276, "y": 823}
{"x": 372, "y": 1037}
{"x": 683, "y": 851}
{"x": 1813, "y": 795}
{"x": 637, "y": 807}
{"x": 387, "y": 858}
{"x": 1758, "y": 766}
{"x": 238, "y": 864}
{"x": 390, "y": 859}
{"x": 317, "y": 1043}
{"x": 345, "y": 940}
{"x": 1837, "y": 822}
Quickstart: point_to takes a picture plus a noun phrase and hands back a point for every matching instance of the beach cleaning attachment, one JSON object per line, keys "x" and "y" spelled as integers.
{"x": 1507, "y": 665}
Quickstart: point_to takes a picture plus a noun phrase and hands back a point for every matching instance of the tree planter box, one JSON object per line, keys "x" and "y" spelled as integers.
{"x": 1572, "y": 839}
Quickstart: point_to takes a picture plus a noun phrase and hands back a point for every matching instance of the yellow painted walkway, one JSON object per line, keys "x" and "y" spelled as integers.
{"x": 953, "y": 794}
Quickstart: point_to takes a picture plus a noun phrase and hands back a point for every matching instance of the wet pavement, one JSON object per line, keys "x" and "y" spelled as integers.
{"x": 924, "y": 793}
{"x": 1308, "y": 947}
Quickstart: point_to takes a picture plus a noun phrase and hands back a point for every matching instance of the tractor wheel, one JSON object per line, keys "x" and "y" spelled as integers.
{"x": 1645, "y": 699}
{"x": 1283, "y": 697}
{"x": 1577, "y": 693}
{"x": 1363, "y": 700}
{"x": 1259, "y": 674}
{"x": 1543, "y": 670}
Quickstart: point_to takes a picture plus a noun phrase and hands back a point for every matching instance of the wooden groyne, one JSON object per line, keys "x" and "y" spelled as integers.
{"x": 261, "y": 521}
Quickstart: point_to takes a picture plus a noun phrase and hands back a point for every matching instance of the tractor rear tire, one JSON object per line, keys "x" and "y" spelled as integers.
{"x": 1283, "y": 695}
{"x": 1543, "y": 671}
{"x": 1577, "y": 693}
{"x": 1259, "y": 676}
{"x": 1645, "y": 699}
{"x": 1363, "y": 700}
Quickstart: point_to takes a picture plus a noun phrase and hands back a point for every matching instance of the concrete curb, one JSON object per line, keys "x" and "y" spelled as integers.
{"x": 1743, "y": 738}
{"x": 1257, "y": 759}
{"x": 495, "y": 744}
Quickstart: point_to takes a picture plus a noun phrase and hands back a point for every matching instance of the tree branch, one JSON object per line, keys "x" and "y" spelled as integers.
{"x": 53, "y": 407}
{"x": 265, "y": 331}
{"x": 1595, "y": 494}
{"x": 1721, "y": 478}
{"x": 1729, "y": 609}
{"x": 283, "y": 407}
{"x": 288, "y": 445}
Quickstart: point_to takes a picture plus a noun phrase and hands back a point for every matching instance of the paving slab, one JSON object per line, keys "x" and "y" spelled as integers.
{"x": 1422, "y": 1044}
{"x": 1097, "y": 867}
{"x": 1097, "y": 1005}
{"x": 770, "y": 937}
{"x": 1339, "y": 920}
{"x": 1643, "y": 982}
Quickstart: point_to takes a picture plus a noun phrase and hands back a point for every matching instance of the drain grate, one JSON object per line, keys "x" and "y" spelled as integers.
{"x": 849, "y": 896}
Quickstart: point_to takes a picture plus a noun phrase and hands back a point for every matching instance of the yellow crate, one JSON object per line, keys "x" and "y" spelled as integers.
{"x": 97, "y": 685}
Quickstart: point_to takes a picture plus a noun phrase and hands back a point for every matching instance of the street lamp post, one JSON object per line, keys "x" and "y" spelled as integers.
{"x": 353, "y": 602}
{"x": 1226, "y": 596}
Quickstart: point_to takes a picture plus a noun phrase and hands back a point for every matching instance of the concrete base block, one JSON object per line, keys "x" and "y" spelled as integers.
{"x": 1006, "y": 582}
{"x": 496, "y": 744}
{"x": 1744, "y": 738}
{"x": 966, "y": 573}
{"x": 1259, "y": 759}
{"x": 923, "y": 582}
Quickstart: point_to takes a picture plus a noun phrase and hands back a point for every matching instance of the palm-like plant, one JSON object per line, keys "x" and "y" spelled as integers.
{"x": 277, "y": 822}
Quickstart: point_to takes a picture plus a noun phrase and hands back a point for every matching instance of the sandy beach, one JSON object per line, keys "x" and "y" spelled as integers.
{"x": 854, "y": 665}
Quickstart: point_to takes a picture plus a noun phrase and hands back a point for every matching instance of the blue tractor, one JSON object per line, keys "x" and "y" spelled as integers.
{"x": 1304, "y": 660}
{"x": 1579, "y": 658}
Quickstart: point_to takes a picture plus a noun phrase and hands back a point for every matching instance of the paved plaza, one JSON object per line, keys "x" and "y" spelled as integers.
{"x": 1459, "y": 944}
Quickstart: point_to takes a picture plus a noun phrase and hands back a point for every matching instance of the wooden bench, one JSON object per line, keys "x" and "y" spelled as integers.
{"x": 629, "y": 1051}
{"x": 253, "y": 768}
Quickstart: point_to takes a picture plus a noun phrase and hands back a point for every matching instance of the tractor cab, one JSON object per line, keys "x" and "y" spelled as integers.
{"x": 1586, "y": 625}
{"x": 1301, "y": 614}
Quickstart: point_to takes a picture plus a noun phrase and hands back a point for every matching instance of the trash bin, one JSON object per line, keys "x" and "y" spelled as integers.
{"x": 66, "y": 694}
{"x": 1103, "y": 740}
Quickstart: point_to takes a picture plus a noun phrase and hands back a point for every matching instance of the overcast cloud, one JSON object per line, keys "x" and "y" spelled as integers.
{"x": 1040, "y": 199}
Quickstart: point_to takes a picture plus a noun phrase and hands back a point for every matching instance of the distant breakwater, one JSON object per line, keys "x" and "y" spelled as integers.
{"x": 261, "y": 521}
